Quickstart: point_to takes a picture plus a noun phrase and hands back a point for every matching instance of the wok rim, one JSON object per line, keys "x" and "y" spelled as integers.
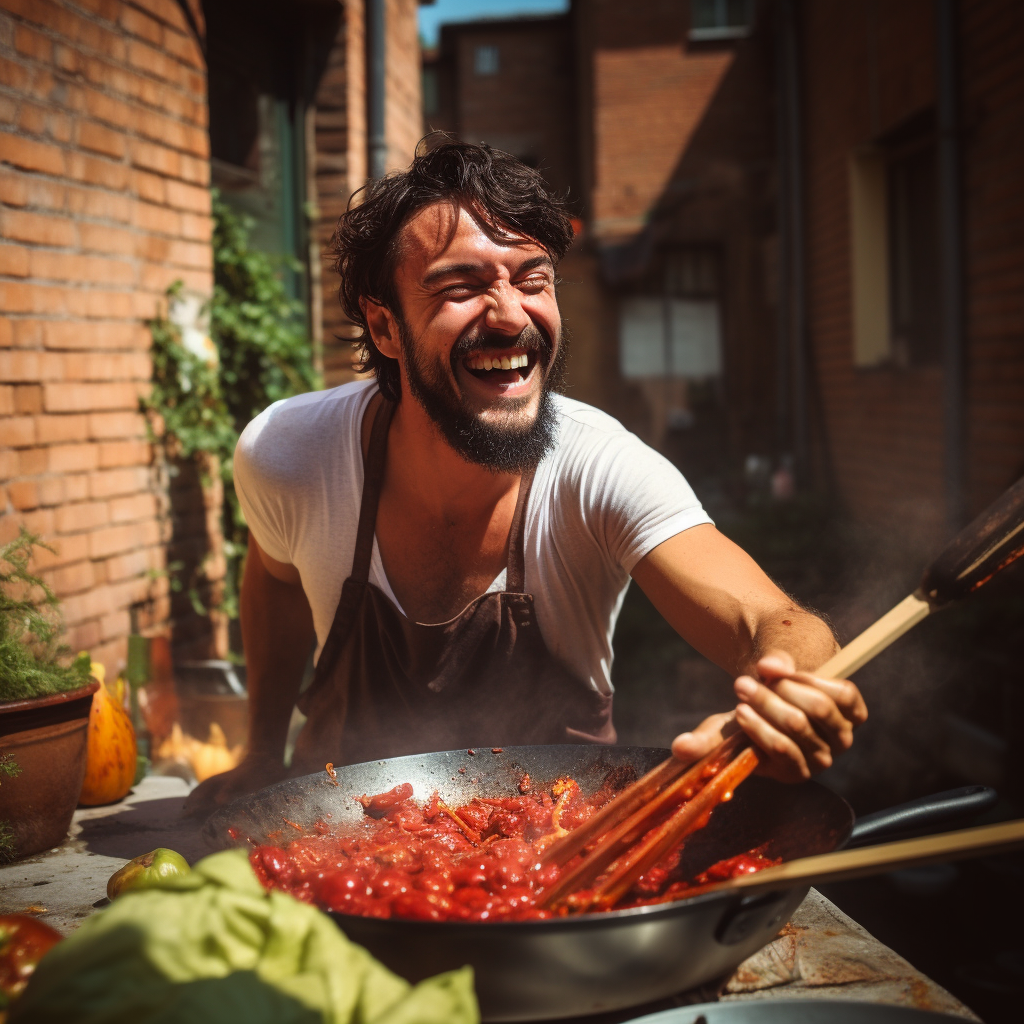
{"x": 571, "y": 922}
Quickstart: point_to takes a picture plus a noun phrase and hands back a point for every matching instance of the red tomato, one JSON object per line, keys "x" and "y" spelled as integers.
{"x": 472, "y": 871}
{"x": 279, "y": 865}
{"x": 421, "y": 906}
{"x": 377, "y": 805}
{"x": 24, "y": 941}
{"x": 337, "y": 886}
{"x": 435, "y": 883}
{"x": 506, "y": 872}
{"x": 391, "y": 883}
{"x": 405, "y": 856}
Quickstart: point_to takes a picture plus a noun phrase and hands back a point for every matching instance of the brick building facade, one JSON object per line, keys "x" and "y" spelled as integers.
{"x": 105, "y": 192}
{"x": 871, "y": 92}
{"x": 510, "y": 83}
{"x": 681, "y": 221}
{"x": 104, "y": 202}
{"x": 788, "y": 163}
{"x": 338, "y": 140}
{"x": 662, "y": 137}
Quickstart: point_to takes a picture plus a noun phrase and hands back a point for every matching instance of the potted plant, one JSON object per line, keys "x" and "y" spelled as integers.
{"x": 45, "y": 698}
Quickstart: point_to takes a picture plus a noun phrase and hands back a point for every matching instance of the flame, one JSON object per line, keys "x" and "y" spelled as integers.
{"x": 205, "y": 759}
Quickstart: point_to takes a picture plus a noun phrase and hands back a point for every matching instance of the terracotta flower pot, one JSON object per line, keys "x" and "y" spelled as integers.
{"x": 47, "y": 737}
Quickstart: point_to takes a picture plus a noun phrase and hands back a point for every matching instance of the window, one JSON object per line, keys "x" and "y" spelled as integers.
{"x": 913, "y": 257}
{"x": 486, "y": 60}
{"x": 431, "y": 92}
{"x": 894, "y": 246}
{"x": 720, "y": 19}
{"x": 669, "y": 337}
{"x": 869, "y": 258}
{"x": 675, "y": 334}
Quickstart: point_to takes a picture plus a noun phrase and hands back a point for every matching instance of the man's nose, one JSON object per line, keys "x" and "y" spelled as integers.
{"x": 505, "y": 309}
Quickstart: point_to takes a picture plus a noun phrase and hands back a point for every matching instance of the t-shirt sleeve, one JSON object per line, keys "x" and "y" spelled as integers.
{"x": 259, "y": 491}
{"x": 635, "y": 499}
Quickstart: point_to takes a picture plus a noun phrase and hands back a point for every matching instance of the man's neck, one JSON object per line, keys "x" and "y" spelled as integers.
{"x": 443, "y": 523}
{"x": 423, "y": 468}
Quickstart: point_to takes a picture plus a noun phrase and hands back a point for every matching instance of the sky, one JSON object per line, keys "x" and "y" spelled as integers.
{"x": 441, "y": 12}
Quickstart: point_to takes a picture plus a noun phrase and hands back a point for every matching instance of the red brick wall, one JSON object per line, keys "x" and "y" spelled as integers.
{"x": 339, "y": 139}
{"x": 650, "y": 91}
{"x": 339, "y": 163}
{"x": 104, "y": 202}
{"x": 992, "y": 41}
{"x": 680, "y": 140}
{"x": 866, "y": 67}
{"x": 527, "y": 107}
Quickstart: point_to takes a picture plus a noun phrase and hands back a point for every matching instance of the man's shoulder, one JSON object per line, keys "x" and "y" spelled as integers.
{"x": 593, "y": 447}
{"x": 588, "y": 436}
{"x": 580, "y": 421}
{"x": 309, "y": 411}
{"x": 596, "y": 452}
{"x": 288, "y": 434}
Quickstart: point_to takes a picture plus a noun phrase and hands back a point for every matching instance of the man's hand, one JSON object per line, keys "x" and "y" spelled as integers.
{"x": 798, "y": 721}
{"x": 252, "y": 773}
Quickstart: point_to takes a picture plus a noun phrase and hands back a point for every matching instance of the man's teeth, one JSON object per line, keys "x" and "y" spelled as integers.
{"x": 484, "y": 362}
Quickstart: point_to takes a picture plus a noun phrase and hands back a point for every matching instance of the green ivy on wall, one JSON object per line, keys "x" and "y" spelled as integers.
{"x": 198, "y": 406}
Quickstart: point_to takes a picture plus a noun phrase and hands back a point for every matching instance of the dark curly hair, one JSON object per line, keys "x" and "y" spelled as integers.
{"x": 509, "y": 199}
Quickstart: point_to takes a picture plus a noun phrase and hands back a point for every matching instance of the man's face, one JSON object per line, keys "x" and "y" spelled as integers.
{"x": 480, "y": 337}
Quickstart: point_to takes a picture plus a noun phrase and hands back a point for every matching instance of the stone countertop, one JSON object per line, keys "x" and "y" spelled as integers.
{"x": 69, "y": 880}
{"x": 820, "y": 954}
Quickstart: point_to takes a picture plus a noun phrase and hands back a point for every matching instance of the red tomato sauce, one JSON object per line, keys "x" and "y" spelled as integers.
{"x": 476, "y": 862}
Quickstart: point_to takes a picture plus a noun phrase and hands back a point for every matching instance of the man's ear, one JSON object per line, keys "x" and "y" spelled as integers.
{"x": 383, "y": 328}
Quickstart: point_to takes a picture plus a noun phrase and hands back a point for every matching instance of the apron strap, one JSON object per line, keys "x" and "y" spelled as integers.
{"x": 515, "y": 578}
{"x": 373, "y": 480}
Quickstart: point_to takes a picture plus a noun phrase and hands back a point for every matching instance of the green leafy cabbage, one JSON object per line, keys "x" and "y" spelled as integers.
{"x": 214, "y": 946}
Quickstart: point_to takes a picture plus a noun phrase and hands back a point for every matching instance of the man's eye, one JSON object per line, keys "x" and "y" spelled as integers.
{"x": 534, "y": 284}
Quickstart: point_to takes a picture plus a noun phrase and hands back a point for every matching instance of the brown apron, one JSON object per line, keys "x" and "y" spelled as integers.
{"x": 386, "y": 686}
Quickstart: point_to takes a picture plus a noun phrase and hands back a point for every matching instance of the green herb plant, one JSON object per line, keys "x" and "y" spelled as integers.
{"x": 33, "y": 662}
{"x": 10, "y": 768}
{"x": 263, "y": 354}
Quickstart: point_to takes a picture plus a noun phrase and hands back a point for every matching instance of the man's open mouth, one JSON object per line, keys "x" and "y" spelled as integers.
{"x": 501, "y": 366}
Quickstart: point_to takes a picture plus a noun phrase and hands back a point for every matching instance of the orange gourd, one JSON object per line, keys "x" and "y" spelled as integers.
{"x": 111, "y": 758}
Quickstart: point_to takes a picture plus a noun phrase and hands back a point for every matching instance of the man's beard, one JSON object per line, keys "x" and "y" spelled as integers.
{"x": 510, "y": 447}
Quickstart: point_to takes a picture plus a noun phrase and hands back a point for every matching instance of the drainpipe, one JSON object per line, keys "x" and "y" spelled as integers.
{"x": 377, "y": 146}
{"x": 951, "y": 261}
{"x": 783, "y": 427}
{"x": 793, "y": 374}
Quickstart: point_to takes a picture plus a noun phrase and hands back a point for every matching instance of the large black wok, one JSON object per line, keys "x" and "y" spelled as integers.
{"x": 594, "y": 962}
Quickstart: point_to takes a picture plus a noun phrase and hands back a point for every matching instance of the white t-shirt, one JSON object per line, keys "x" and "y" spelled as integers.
{"x": 601, "y": 500}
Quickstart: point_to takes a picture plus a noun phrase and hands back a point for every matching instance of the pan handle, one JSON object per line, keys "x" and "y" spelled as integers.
{"x": 950, "y": 807}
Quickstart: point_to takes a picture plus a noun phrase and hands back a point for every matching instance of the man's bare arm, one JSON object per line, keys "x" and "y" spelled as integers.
{"x": 277, "y": 633}
{"x": 721, "y": 602}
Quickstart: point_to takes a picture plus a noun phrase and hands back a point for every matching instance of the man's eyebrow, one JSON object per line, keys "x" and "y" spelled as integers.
{"x": 452, "y": 268}
{"x": 534, "y": 262}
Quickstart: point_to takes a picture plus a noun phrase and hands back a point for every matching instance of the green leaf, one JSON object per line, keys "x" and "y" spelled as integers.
{"x": 264, "y": 355}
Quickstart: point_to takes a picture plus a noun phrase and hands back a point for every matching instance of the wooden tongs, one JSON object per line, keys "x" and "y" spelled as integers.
{"x": 649, "y": 818}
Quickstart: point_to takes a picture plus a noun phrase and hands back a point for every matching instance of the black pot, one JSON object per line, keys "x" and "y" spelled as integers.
{"x": 590, "y": 963}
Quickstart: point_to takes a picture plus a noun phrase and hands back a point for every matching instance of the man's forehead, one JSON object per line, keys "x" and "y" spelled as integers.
{"x": 440, "y": 228}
